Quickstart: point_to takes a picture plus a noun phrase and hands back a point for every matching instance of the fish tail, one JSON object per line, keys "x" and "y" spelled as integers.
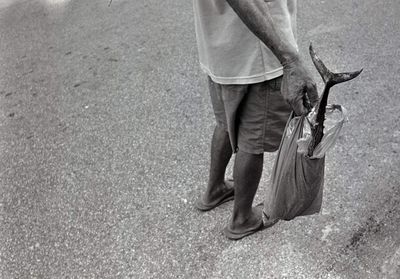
{"x": 330, "y": 78}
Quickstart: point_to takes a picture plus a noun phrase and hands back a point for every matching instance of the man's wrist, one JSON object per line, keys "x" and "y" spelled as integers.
{"x": 288, "y": 59}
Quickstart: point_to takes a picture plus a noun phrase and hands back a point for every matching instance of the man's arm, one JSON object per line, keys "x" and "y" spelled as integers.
{"x": 296, "y": 79}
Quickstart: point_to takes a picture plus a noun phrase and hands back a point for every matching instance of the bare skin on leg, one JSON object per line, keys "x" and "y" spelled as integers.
{"x": 218, "y": 190}
{"x": 247, "y": 174}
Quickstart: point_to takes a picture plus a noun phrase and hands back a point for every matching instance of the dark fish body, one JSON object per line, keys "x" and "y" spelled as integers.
{"x": 330, "y": 79}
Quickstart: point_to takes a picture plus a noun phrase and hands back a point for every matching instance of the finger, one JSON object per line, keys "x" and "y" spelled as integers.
{"x": 307, "y": 103}
{"x": 312, "y": 93}
{"x": 298, "y": 106}
{"x": 299, "y": 109}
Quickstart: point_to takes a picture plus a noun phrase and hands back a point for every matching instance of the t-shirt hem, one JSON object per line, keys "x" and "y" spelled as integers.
{"x": 244, "y": 79}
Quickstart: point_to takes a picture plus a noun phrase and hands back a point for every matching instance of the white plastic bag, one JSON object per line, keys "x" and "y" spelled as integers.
{"x": 297, "y": 180}
{"x": 335, "y": 117}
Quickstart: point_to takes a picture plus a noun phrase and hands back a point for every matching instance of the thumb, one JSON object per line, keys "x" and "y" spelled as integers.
{"x": 312, "y": 93}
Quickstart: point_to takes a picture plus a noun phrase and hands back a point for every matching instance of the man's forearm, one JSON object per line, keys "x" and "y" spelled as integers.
{"x": 256, "y": 15}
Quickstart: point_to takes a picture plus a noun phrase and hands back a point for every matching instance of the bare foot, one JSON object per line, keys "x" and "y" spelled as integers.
{"x": 242, "y": 225}
{"x": 219, "y": 195}
{"x": 214, "y": 193}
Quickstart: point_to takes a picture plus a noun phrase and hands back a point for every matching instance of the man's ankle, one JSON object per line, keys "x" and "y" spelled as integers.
{"x": 214, "y": 191}
{"x": 240, "y": 219}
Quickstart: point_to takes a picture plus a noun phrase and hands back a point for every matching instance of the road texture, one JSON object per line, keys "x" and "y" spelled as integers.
{"x": 105, "y": 126}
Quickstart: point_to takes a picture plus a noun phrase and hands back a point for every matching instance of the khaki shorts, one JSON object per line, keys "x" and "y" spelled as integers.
{"x": 254, "y": 115}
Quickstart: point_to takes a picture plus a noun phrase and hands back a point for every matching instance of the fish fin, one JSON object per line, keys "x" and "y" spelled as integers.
{"x": 342, "y": 77}
{"x": 330, "y": 79}
{"x": 321, "y": 68}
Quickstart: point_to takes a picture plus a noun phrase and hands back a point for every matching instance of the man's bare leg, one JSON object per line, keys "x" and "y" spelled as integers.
{"x": 221, "y": 152}
{"x": 247, "y": 174}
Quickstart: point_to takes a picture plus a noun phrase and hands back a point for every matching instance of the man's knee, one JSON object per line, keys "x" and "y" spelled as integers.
{"x": 221, "y": 127}
{"x": 250, "y": 148}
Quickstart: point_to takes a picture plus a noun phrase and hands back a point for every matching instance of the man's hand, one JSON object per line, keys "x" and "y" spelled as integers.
{"x": 298, "y": 88}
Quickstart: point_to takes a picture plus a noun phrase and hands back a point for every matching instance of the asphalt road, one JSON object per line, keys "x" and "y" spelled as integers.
{"x": 105, "y": 125}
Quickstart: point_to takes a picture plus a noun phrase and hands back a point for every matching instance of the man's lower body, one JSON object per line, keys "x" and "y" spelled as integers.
{"x": 250, "y": 121}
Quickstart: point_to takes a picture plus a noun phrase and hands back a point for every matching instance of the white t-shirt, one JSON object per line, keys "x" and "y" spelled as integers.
{"x": 229, "y": 52}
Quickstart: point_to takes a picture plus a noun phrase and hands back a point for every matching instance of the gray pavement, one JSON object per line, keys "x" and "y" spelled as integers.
{"x": 105, "y": 124}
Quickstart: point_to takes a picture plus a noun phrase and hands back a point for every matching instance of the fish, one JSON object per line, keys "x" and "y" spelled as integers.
{"x": 330, "y": 79}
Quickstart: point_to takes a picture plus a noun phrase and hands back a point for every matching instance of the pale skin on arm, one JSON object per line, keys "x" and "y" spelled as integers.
{"x": 298, "y": 88}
